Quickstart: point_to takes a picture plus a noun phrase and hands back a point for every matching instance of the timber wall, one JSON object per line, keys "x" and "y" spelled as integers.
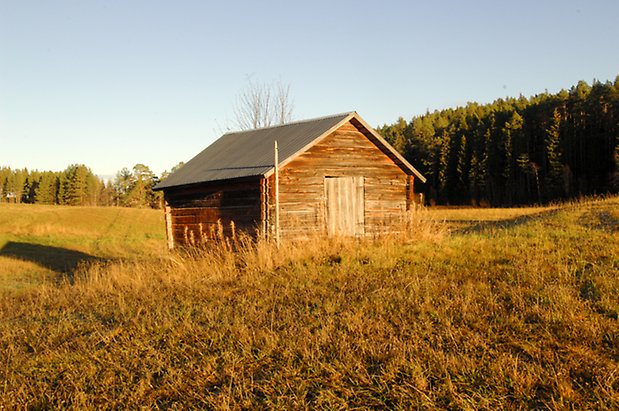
{"x": 202, "y": 212}
{"x": 347, "y": 152}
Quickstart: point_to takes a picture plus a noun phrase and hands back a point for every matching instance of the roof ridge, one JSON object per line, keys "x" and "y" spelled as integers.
{"x": 344, "y": 114}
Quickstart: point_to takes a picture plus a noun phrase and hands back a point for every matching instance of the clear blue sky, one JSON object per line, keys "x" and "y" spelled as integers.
{"x": 115, "y": 83}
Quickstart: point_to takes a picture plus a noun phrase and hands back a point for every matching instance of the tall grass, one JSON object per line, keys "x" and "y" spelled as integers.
{"x": 504, "y": 316}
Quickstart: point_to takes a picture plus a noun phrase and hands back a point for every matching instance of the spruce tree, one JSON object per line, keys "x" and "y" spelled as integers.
{"x": 554, "y": 177}
{"x": 122, "y": 184}
{"x": 47, "y": 188}
{"x": 76, "y": 185}
{"x": 5, "y": 172}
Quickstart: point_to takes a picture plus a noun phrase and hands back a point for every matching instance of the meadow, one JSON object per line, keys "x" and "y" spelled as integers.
{"x": 39, "y": 244}
{"x": 472, "y": 309}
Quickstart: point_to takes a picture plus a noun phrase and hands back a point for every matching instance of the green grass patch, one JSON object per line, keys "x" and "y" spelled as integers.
{"x": 37, "y": 240}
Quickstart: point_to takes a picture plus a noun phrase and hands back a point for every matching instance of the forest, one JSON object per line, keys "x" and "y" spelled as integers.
{"x": 516, "y": 151}
{"x": 513, "y": 151}
{"x": 78, "y": 186}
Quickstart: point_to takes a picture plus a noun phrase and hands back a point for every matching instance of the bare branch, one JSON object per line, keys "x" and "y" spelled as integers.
{"x": 284, "y": 104}
{"x": 263, "y": 105}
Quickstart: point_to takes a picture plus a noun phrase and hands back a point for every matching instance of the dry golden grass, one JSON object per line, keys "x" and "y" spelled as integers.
{"x": 454, "y": 214}
{"x": 512, "y": 314}
{"x": 464, "y": 218}
{"x": 18, "y": 275}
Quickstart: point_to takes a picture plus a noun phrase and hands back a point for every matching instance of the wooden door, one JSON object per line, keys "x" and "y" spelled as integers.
{"x": 345, "y": 206}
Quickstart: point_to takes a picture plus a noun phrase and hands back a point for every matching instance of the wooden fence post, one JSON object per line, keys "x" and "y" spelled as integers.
{"x": 276, "y": 194}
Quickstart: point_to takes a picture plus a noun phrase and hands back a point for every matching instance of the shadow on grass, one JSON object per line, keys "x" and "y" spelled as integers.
{"x": 477, "y": 227}
{"x": 61, "y": 260}
{"x": 601, "y": 220}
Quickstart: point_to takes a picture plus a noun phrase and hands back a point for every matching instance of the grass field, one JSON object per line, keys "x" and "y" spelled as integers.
{"x": 45, "y": 243}
{"x": 490, "y": 309}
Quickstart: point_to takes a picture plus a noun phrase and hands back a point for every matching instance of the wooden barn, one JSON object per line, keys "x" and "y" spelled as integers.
{"x": 335, "y": 175}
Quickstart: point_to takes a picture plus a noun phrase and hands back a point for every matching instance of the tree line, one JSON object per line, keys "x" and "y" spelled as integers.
{"x": 512, "y": 151}
{"x": 78, "y": 186}
{"x": 517, "y": 150}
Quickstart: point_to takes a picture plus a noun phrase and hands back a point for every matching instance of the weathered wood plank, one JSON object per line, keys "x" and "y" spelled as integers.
{"x": 345, "y": 153}
{"x": 168, "y": 225}
{"x": 345, "y": 206}
{"x": 211, "y": 210}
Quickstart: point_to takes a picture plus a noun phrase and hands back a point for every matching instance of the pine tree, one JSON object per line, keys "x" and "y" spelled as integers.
{"x": 76, "y": 185}
{"x": 5, "y": 172}
{"x": 451, "y": 155}
{"x": 15, "y": 185}
{"x": 512, "y": 132}
{"x": 106, "y": 194}
{"x": 396, "y": 135}
{"x": 47, "y": 188}
{"x": 554, "y": 178}
{"x": 138, "y": 195}
{"x": 122, "y": 184}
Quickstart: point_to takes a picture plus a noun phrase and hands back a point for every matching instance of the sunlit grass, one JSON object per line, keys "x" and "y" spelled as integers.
{"x": 60, "y": 232}
{"x": 96, "y": 230}
{"x": 520, "y": 313}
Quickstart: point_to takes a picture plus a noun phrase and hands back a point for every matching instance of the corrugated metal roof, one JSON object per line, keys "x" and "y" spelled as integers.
{"x": 250, "y": 153}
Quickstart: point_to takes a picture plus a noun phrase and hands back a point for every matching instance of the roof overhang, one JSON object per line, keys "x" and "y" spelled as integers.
{"x": 212, "y": 182}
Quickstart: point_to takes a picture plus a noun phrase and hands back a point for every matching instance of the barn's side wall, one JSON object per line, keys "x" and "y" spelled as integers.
{"x": 345, "y": 152}
{"x": 202, "y": 212}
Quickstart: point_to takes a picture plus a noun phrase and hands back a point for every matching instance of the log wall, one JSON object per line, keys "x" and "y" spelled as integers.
{"x": 347, "y": 152}
{"x": 203, "y": 212}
